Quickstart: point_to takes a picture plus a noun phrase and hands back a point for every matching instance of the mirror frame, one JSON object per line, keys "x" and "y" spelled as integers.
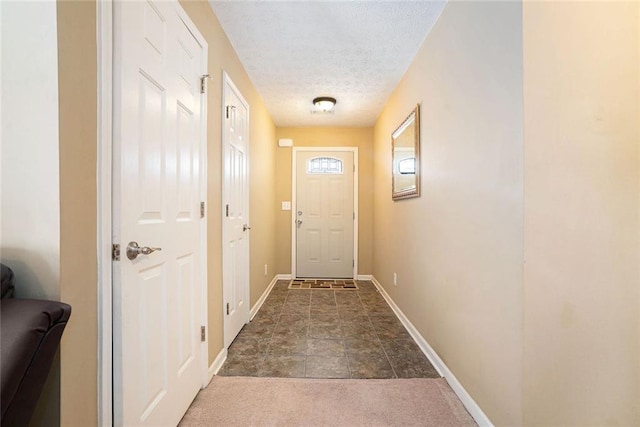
{"x": 413, "y": 191}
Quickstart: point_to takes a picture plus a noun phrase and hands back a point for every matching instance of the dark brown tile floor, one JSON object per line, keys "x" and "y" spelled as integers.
{"x": 326, "y": 334}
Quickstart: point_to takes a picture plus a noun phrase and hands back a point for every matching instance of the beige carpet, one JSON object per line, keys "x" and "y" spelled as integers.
{"x": 245, "y": 401}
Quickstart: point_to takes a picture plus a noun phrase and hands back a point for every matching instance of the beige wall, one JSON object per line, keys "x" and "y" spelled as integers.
{"x": 457, "y": 249}
{"x": 29, "y": 56}
{"x": 30, "y": 202}
{"x": 581, "y": 227}
{"x": 326, "y": 137}
{"x": 262, "y": 195}
{"x": 262, "y": 170}
{"x": 69, "y": 398}
{"x": 521, "y": 267}
{"x": 78, "y": 155}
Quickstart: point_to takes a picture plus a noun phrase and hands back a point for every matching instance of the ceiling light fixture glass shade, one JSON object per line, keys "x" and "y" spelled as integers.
{"x": 324, "y": 103}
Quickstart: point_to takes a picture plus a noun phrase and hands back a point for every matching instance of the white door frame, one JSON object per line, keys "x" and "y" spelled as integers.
{"x": 226, "y": 80}
{"x": 104, "y": 219}
{"x": 294, "y": 206}
{"x": 104, "y": 176}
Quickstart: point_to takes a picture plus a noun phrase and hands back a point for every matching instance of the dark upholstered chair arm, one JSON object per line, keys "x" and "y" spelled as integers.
{"x": 30, "y": 332}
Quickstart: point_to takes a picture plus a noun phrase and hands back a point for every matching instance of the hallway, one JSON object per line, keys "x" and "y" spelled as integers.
{"x": 321, "y": 333}
{"x": 516, "y": 268}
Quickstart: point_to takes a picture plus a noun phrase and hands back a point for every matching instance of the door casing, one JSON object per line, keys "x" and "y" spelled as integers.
{"x": 294, "y": 208}
{"x": 104, "y": 168}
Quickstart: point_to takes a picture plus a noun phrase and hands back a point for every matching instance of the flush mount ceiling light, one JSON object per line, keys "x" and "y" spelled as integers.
{"x": 324, "y": 103}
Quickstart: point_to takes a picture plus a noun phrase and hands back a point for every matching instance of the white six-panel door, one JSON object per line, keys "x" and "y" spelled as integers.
{"x": 235, "y": 254}
{"x": 157, "y": 152}
{"x": 324, "y": 214}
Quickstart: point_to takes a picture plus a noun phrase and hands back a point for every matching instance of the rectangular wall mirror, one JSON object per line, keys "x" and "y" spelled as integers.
{"x": 405, "y": 143}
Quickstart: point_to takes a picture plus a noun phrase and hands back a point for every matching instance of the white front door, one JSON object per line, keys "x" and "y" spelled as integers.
{"x": 324, "y": 214}
{"x": 235, "y": 256}
{"x": 158, "y": 148}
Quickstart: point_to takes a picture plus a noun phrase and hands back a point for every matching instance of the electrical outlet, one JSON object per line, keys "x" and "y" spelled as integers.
{"x": 265, "y": 269}
{"x": 395, "y": 279}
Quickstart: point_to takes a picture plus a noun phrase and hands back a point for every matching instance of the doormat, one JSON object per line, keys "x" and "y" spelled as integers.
{"x": 334, "y": 284}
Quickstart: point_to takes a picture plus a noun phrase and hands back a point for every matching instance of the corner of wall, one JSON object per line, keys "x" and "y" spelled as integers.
{"x": 78, "y": 80}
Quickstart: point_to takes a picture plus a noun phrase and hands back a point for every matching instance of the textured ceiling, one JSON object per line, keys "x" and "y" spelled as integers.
{"x": 354, "y": 51}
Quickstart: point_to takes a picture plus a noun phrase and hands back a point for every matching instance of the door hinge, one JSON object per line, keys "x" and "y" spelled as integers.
{"x": 229, "y": 108}
{"x": 115, "y": 251}
{"x": 354, "y": 168}
{"x": 203, "y": 85}
{"x": 354, "y": 216}
{"x": 201, "y": 209}
{"x": 202, "y": 333}
{"x": 227, "y": 309}
{"x": 227, "y": 210}
{"x": 353, "y": 263}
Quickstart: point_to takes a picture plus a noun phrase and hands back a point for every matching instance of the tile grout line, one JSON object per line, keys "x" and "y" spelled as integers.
{"x": 379, "y": 341}
{"x": 269, "y": 343}
{"x": 306, "y": 335}
{"x": 344, "y": 338}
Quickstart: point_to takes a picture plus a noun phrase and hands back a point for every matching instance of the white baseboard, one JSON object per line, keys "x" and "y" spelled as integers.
{"x": 263, "y": 297}
{"x": 476, "y": 412}
{"x": 365, "y": 277}
{"x": 422, "y": 343}
{"x": 217, "y": 364}
{"x": 283, "y": 276}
